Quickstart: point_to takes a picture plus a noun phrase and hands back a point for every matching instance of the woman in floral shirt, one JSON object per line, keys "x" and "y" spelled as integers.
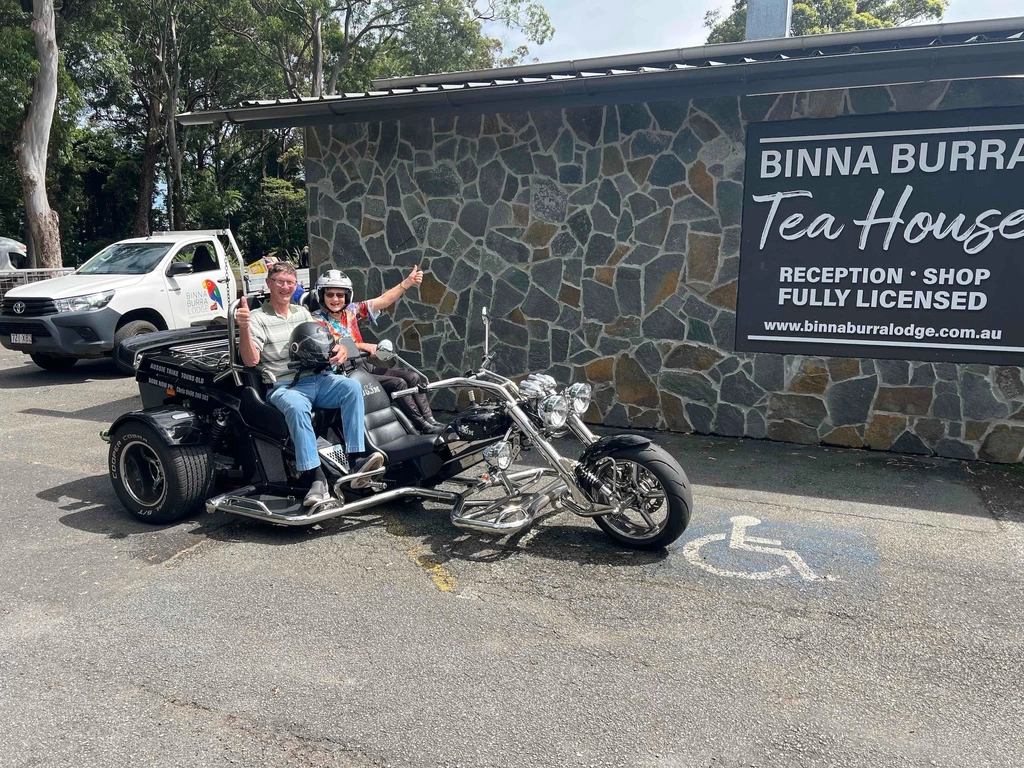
{"x": 341, "y": 316}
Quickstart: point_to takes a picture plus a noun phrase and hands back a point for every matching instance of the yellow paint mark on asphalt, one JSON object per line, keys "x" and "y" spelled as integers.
{"x": 438, "y": 574}
{"x": 441, "y": 576}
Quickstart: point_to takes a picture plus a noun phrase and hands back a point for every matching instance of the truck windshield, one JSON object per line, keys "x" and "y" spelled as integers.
{"x": 126, "y": 259}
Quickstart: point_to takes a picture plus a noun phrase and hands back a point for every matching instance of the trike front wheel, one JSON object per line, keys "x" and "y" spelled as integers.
{"x": 650, "y": 494}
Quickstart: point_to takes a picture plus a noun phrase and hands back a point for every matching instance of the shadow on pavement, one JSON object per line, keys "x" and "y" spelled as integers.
{"x": 104, "y": 413}
{"x": 90, "y": 505}
{"x": 836, "y": 474}
{"x": 555, "y": 536}
{"x": 28, "y": 375}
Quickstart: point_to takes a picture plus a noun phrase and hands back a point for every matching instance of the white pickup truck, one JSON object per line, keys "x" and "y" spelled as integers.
{"x": 166, "y": 281}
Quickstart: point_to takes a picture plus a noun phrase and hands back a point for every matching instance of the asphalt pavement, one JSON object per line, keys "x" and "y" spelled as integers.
{"x": 826, "y": 607}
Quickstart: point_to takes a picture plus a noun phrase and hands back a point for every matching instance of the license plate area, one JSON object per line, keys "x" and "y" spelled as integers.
{"x": 21, "y": 338}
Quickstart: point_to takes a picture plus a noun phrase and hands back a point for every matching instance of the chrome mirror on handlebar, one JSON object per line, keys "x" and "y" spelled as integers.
{"x": 487, "y": 330}
{"x": 385, "y": 351}
{"x": 486, "y": 364}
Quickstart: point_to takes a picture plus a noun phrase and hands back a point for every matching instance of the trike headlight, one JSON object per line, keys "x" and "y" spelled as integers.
{"x": 579, "y": 397}
{"x": 499, "y": 455}
{"x": 553, "y": 411}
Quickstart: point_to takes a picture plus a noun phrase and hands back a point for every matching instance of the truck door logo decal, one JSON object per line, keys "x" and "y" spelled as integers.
{"x": 214, "y": 293}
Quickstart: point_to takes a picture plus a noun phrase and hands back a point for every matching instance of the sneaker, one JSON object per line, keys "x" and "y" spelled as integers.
{"x": 317, "y": 492}
{"x": 374, "y": 461}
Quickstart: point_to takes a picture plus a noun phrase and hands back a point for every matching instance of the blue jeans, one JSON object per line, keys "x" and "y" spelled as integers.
{"x": 322, "y": 390}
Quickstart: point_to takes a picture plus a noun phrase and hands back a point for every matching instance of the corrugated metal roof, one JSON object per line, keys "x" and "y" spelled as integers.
{"x": 987, "y": 48}
{"x": 743, "y": 52}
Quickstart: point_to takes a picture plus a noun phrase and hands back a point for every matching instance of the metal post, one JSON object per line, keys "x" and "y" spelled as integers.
{"x": 768, "y": 18}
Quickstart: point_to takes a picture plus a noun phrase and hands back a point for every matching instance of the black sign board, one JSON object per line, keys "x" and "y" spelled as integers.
{"x": 893, "y": 236}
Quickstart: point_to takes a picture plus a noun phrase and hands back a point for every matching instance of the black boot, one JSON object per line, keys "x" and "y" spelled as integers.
{"x": 318, "y": 490}
{"x": 428, "y": 427}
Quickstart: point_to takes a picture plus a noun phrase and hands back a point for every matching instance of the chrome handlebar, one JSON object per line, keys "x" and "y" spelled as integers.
{"x": 234, "y": 367}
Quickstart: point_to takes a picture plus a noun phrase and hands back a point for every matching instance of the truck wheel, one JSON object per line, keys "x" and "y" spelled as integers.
{"x": 52, "y": 362}
{"x": 156, "y": 482}
{"x": 127, "y": 331}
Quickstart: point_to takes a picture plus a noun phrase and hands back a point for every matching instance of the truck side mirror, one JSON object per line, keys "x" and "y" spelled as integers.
{"x": 179, "y": 268}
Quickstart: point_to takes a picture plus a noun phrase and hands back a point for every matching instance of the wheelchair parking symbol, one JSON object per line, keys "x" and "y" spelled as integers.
{"x": 739, "y": 541}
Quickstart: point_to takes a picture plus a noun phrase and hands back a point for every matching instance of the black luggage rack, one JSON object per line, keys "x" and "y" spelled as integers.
{"x": 205, "y": 355}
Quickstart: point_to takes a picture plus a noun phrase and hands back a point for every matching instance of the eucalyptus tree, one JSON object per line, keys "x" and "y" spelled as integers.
{"x": 323, "y": 46}
{"x": 816, "y": 17}
{"x": 33, "y": 143}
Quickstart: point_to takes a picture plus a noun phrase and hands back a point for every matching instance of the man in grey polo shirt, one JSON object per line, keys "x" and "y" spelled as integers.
{"x": 263, "y": 337}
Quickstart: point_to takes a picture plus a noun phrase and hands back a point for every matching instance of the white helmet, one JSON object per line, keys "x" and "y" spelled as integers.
{"x": 334, "y": 278}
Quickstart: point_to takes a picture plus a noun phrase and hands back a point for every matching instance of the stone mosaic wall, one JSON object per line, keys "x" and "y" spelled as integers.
{"x": 605, "y": 241}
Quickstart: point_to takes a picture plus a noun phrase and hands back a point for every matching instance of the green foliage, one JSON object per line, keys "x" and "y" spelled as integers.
{"x": 17, "y": 66}
{"x": 442, "y": 37}
{"x": 110, "y": 129}
{"x": 276, "y": 218}
{"x": 816, "y": 17}
{"x": 97, "y": 190}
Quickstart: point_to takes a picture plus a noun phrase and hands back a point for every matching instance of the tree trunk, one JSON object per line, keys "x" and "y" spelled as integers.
{"x": 168, "y": 55}
{"x": 32, "y": 148}
{"x": 176, "y": 191}
{"x": 173, "y": 150}
{"x": 318, "y": 57}
{"x": 143, "y": 213}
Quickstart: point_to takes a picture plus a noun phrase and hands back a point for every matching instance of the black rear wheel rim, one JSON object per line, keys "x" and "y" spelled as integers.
{"x": 142, "y": 474}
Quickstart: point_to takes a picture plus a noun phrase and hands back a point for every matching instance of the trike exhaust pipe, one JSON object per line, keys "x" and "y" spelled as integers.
{"x": 503, "y": 518}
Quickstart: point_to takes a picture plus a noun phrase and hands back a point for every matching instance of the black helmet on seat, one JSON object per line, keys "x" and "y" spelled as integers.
{"x": 310, "y": 346}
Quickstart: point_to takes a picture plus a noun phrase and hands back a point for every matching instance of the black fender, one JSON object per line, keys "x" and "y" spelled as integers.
{"x": 609, "y": 443}
{"x": 176, "y": 425}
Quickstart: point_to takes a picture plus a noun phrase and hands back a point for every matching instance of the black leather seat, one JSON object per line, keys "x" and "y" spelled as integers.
{"x": 309, "y": 300}
{"x": 256, "y": 412}
{"x": 387, "y": 428}
{"x": 203, "y": 260}
{"x": 260, "y": 415}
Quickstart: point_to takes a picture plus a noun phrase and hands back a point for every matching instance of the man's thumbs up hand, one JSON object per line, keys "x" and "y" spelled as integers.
{"x": 242, "y": 314}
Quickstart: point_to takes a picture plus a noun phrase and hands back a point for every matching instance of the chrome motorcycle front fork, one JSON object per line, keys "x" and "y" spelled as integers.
{"x": 517, "y": 510}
